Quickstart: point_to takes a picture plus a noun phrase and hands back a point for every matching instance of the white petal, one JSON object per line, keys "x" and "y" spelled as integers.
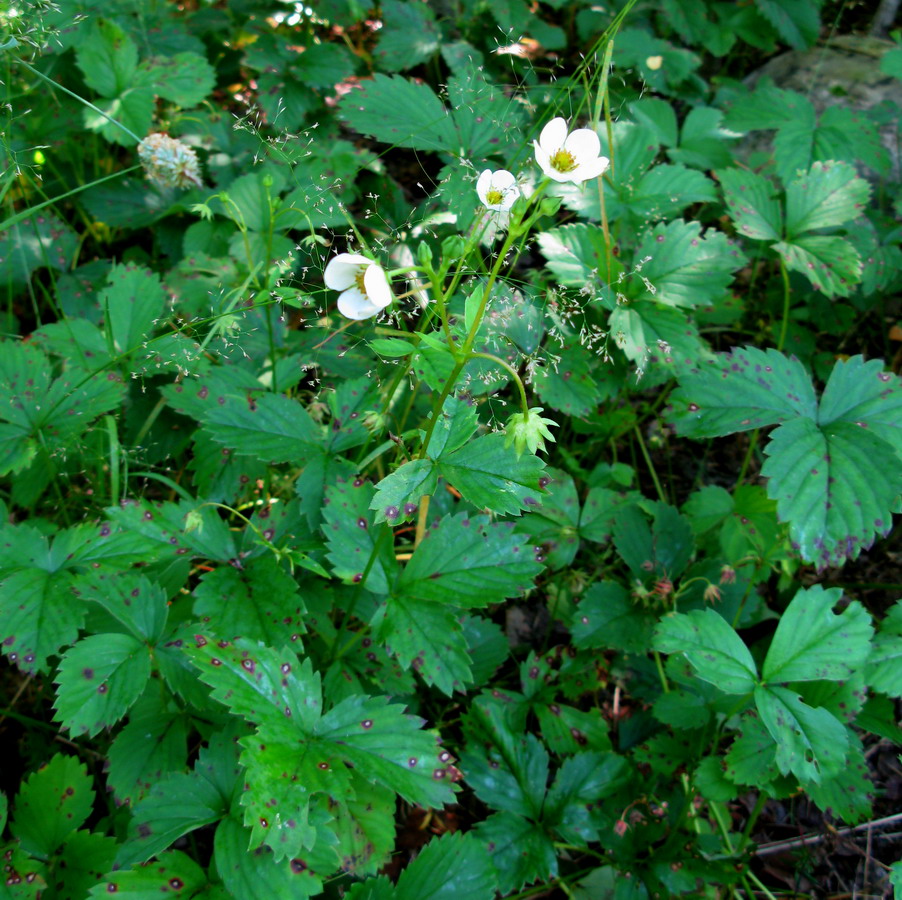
{"x": 583, "y": 144}
{"x": 562, "y": 177}
{"x": 376, "y": 285}
{"x": 591, "y": 169}
{"x": 341, "y": 271}
{"x": 509, "y": 198}
{"x": 484, "y": 184}
{"x": 543, "y": 158}
{"x": 502, "y": 180}
{"x": 354, "y": 305}
{"x": 553, "y": 135}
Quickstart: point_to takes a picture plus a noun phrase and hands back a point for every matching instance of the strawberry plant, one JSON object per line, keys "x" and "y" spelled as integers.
{"x": 438, "y": 459}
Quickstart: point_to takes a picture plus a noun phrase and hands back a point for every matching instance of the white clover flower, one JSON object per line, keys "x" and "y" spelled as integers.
{"x": 364, "y": 286}
{"x": 168, "y": 162}
{"x": 570, "y": 157}
{"x": 497, "y": 190}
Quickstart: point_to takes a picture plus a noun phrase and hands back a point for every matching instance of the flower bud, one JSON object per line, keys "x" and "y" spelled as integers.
{"x": 528, "y": 431}
{"x": 424, "y": 255}
{"x": 453, "y": 247}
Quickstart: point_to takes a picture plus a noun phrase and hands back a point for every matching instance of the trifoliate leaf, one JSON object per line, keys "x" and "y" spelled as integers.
{"x": 469, "y": 562}
{"x": 51, "y": 804}
{"x": 426, "y": 636}
{"x": 99, "y": 679}
{"x": 510, "y": 777}
{"x": 752, "y": 204}
{"x": 456, "y": 424}
{"x": 362, "y": 738}
{"x": 811, "y": 743}
{"x": 715, "y": 651}
{"x": 796, "y": 21}
{"x": 813, "y": 644}
{"x": 81, "y": 863}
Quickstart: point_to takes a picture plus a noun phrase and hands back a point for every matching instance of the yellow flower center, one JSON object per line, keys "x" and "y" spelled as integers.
{"x": 358, "y": 280}
{"x": 494, "y": 197}
{"x": 563, "y": 161}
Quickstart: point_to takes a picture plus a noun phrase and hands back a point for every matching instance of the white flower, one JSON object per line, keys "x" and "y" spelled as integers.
{"x": 363, "y": 285}
{"x": 570, "y": 157}
{"x": 497, "y": 190}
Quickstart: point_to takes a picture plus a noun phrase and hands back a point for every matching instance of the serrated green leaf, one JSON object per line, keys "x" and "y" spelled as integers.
{"x": 408, "y": 36}
{"x": 715, "y": 651}
{"x": 512, "y": 776}
{"x": 568, "y": 383}
{"x": 830, "y": 263}
{"x": 353, "y": 540}
{"x": 487, "y": 646}
{"x": 711, "y": 781}
{"x": 26, "y": 877}
{"x": 685, "y": 267}
{"x": 402, "y": 113}
{"x": 811, "y": 743}
{"x": 81, "y": 863}
{"x": 35, "y": 242}
{"x": 99, "y": 679}
{"x": 172, "y": 872}
{"x": 656, "y": 337}
{"x": 492, "y": 476}
{"x": 456, "y": 424}
{"x": 426, "y": 636}
{"x": 270, "y": 427}
{"x": 258, "y": 875}
{"x": 742, "y": 390}
{"x": 131, "y": 599}
{"x": 107, "y": 57}
{"x": 39, "y": 617}
{"x": 152, "y": 745}
{"x": 662, "y": 550}
{"x": 752, "y": 204}
{"x": 51, "y": 804}
{"x": 606, "y": 617}
{"x": 797, "y": 21}
{"x": 485, "y": 117}
{"x": 397, "y": 496}
{"x": 752, "y": 757}
{"x": 521, "y": 850}
{"x": 185, "y": 79}
{"x": 884, "y": 666}
{"x": 449, "y": 868}
{"x": 822, "y": 480}
{"x": 174, "y": 806}
{"x": 469, "y": 562}
{"x": 133, "y": 302}
{"x": 576, "y": 255}
{"x": 555, "y": 525}
{"x": 813, "y": 644}
{"x": 581, "y": 782}
{"x": 850, "y": 794}
{"x": 259, "y": 602}
{"x": 133, "y": 108}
